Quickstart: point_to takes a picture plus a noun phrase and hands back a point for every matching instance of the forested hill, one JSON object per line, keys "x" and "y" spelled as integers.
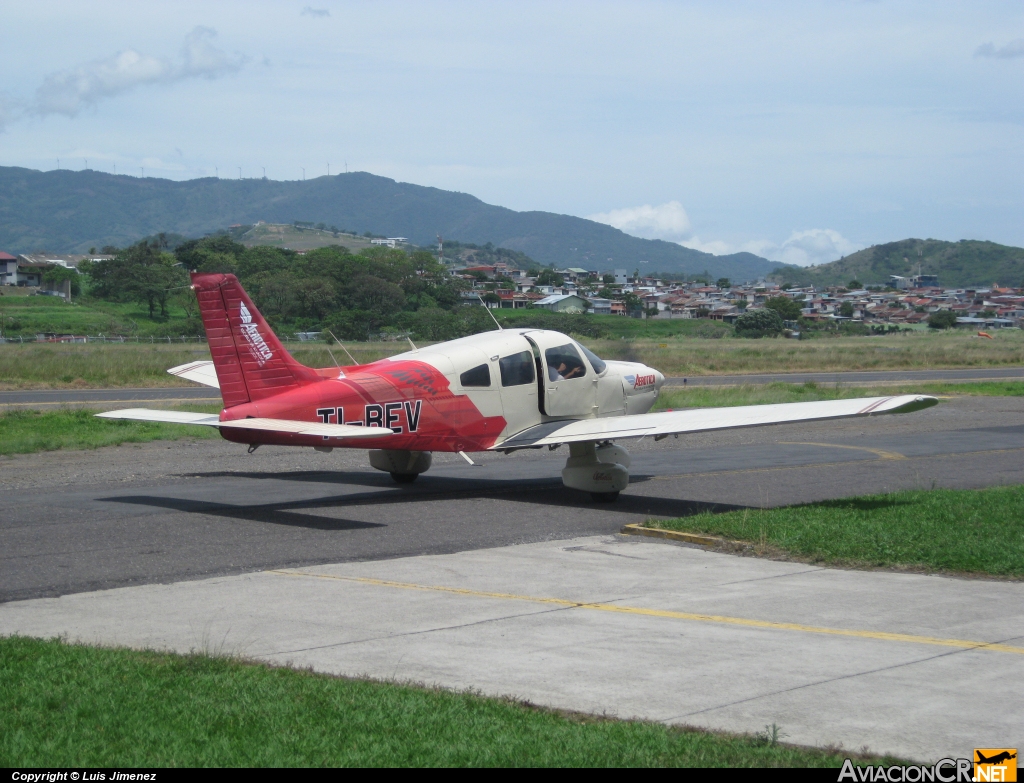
{"x": 958, "y": 264}
{"x": 71, "y": 211}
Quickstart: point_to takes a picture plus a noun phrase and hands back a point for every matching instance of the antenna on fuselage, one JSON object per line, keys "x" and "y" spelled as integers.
{"x": 407, "y": 337}
{"x": 490, "y": 313}
{"x": 339, "y": 342}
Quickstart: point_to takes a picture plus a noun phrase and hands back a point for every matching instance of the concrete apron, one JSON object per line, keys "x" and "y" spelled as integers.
{"x": 920, "y": 666}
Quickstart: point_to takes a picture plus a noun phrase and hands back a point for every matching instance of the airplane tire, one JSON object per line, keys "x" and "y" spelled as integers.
{"x": 604, "y": 497}
{"x": 404, "y": 478}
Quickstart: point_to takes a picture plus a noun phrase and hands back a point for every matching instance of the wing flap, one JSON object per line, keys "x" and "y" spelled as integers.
{"x": 265, "y": 425}
{"x": 705, "y": 419}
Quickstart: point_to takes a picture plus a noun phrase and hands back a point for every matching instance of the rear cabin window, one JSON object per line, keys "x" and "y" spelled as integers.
{"x": 517, "y": 369}
{"x": 564, "y": 362}
{"x": 478, "y": 376}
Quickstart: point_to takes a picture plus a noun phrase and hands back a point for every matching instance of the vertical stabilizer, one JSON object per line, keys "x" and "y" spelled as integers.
{"x": 250, "y": 361}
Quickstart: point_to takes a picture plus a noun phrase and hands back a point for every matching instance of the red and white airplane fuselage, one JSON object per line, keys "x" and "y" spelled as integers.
{"x": 503, "y": 390}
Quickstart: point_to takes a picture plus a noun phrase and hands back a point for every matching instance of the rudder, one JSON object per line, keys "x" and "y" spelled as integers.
{"x": 250, "y": 361}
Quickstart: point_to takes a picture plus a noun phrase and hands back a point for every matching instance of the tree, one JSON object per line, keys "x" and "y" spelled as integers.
{"x": 787, "y": 309}
{"x": 59, "y": 274}
{"x": 608, "y": 279}
{"x": 853, "y": 285}
{"x": 723, "y": 282}
{"x": 140, "y": 273}
{"x": 846, "y": 310}
{"x": 759, "y": 323}
{"x": 942, "y": 319}
{"x": 550, "y": 277}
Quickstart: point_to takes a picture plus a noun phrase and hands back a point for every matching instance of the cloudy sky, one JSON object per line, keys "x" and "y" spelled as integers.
{"x": 800, "y": 131}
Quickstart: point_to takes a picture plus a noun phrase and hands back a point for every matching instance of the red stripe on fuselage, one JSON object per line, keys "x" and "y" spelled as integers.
{"x": 446, "y": 421}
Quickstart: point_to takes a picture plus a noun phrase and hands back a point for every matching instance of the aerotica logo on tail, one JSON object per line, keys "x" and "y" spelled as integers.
{"x": 257, "y": 345}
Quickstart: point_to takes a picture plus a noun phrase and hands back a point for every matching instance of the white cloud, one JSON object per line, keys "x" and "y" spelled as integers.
{"x": 670, "y": 222}
{"x": 318, "y": 12}
{"x": 1013, "y": 49}
{"x": 814, "y": 246}
{"x": 68, "y": 92}
{"x": 667, "y": 221}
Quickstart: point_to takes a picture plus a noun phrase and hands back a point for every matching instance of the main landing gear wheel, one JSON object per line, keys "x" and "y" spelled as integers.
{"x": 408, "y": 478}
{"x": 604, "y": 497}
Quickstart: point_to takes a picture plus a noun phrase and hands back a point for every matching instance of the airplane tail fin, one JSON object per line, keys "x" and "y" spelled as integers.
{"x": 250, "y": 361}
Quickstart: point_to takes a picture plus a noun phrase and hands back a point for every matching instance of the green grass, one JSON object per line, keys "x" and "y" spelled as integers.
{"x": 28, "y": 315}
{"x": 728, "y": 396}
{"x": 963, "y": 531}
{"x": 105, "y": 365}
{"x": 26, "y": 432}
{"x": 67, "y": 705}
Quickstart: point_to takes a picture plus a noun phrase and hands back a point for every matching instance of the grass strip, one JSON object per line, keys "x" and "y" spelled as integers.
{"x": 26, "y": 432}
{"x": 780, "y": 392}
{"x": 977, "y": 531}
{"x": 69, "y": 705}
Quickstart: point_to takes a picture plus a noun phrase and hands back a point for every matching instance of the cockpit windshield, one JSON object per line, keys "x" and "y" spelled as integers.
{"x": 595, "y": 361}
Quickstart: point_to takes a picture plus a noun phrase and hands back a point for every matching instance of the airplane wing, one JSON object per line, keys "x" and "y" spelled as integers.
{"x": 200, "y": 372}
{"x": 666, "y": 423}
{"x": 267, "y": 425}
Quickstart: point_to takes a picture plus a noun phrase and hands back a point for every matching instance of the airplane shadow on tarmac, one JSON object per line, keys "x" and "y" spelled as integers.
{"x": 546, "y": 492}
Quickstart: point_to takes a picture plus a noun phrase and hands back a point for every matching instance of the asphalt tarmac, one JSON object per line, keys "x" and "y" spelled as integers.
{"x": 101, "y": 398}
{"x": 170, "y": 511}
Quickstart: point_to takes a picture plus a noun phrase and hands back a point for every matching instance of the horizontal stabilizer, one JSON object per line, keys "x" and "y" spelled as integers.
{"x": 705, "y": 419}
{"x": 200, "y": 372}
{"x": 265, "y": 425}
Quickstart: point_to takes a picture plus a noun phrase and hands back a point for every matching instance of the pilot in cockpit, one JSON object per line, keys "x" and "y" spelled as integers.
{"x": 561, "y": 368}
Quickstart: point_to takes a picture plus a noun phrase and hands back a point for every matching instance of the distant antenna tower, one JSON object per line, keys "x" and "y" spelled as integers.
{"x": 346, "y": 166}
{"x": 86, "y": 164}
{"x": 303, "y": 174}
{"x": 142, "y": 172}
{"x": 216, "y": 171}
{"x": 239, "y": 172}
{"x": 328, "y": 168}
{"x": 264, "y": 171}
{"x": 440, "y": 249}
{"x": 58, "y": 164}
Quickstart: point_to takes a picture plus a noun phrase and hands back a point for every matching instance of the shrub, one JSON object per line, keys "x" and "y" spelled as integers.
{"x": 759, "y": 323}
{"x": 942, "y": 319}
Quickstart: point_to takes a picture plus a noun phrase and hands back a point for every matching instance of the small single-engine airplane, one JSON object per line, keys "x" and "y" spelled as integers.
{"x": 503, "y": 390}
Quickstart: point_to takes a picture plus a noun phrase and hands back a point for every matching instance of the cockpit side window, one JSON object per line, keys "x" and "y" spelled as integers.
{"x": 517, "y": 369}
{"x": 564, "y": 363}
{"x": 478, "y": 376}
{"x": 595, "y": 361}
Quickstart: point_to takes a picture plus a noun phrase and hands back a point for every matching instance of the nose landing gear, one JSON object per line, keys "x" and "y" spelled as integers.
{"x": 602, "y": 469}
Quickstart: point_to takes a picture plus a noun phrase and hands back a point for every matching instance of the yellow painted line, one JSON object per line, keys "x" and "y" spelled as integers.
{"x": 877, "y": 452}
{"x": 965, "y": 644}
{"x": 677, "y": 535}
{"x": 951, "y": 455}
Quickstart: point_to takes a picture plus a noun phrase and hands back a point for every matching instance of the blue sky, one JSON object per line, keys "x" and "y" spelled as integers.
{"x": 800, "y": 131}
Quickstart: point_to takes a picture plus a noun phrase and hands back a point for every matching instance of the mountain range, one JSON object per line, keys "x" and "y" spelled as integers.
{"x": 958, "y": 264}
{"x": 72, "y": 211}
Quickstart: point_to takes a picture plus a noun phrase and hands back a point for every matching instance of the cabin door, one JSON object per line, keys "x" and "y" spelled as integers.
{"x": 568, "y": 384}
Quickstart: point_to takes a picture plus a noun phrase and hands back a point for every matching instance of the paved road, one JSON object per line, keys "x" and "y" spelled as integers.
{"x": 205, "y": 395}
{"x": 856, "y": 378}
{"x": 161, "y": 512}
